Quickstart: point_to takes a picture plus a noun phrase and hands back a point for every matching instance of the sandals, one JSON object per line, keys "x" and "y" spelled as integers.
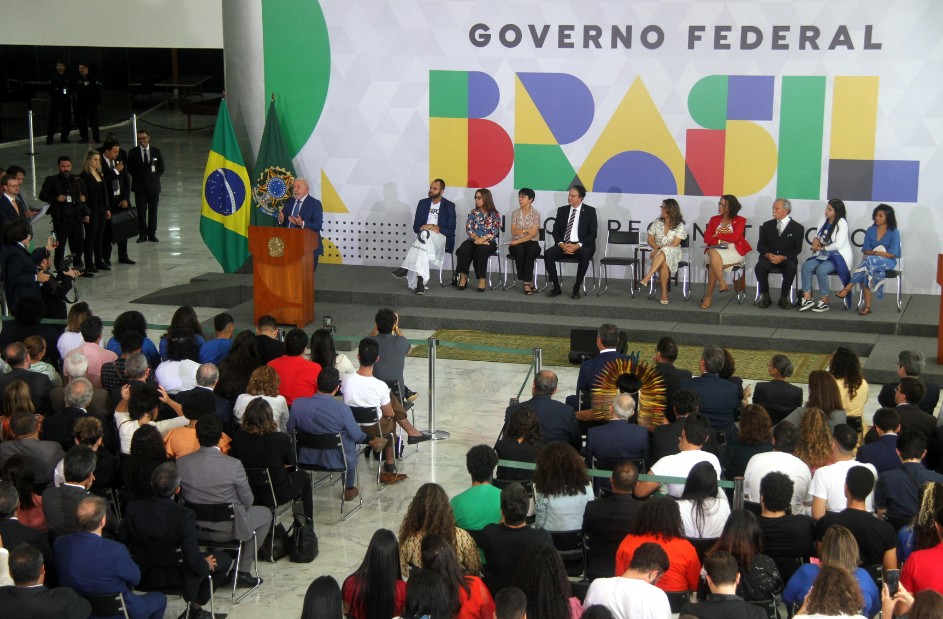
{"x": 528, "y": 291}
{"x": 841, "y": 294}
{"x": 865, "y": 311}
{"x": 724, "y": 289}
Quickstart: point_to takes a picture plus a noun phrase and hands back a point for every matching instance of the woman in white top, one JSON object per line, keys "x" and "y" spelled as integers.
{"x": 72, "y": 337}
{"x": 664, "y": 237}
{"x": 831, "y": 254}
{"x": 561, "y": 488}
{"x": 704, "y": 508}
{"x": 264, "y": 384}
{"x": 178, "y": 373}
{"x": 141, "y": 409}
{"x": 324, "y": 354}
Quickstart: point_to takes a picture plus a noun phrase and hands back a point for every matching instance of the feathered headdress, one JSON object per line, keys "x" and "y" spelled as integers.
{"x": 650, "y": 399}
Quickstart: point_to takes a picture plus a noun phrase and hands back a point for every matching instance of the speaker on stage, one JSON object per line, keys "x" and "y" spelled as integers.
{"x": 583, "y": 345}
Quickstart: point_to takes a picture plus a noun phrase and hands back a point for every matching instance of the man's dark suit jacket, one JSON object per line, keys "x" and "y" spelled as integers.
{"x": 224, "y": 407}
{"x": 101, "y": 404}
{"x": 39, "y": 387}
{"x": 60, "y": 428}
{"x": 592, "y": 368}
{"x": 43, "y": 455}
{"x": 585, "y": 229}
{"x": 15, "y": 533}
{"x": 911, "y": 418}
{"x": 882, "y": 453}
{"x": 124, "y": 185}
{"x": 717, "y": 399}
{"x": 606, "y": 522}
{"x": 557, "y": 420}
{"x": 665, "y": 441}
{"x": 7, "y": 210}
{"x": 446, "y": 219}
{"x": 615, "y": 441}
{"x": 671, "y": 378}
{"x": 142, "y": 179}
{"x": 778, "y": 397}
{"x": 927, "y": 404}
{"x": 788, "y": 244}
{"x": 311, "y": 212}
{"x": 19, "y": 273}
{"x": 42, "y": 602}
{"x": 59, "y": 509}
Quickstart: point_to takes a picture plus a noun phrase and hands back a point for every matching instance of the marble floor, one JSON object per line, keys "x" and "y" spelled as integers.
{"x": 471, "y": 396}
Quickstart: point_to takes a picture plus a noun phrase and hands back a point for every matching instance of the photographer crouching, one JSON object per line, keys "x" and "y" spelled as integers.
{"x": 55, "y": 289}
{"x": 18, "y": 267}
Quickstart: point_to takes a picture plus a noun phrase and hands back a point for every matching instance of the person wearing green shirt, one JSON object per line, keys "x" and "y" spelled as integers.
{"x": 480, "y": 505}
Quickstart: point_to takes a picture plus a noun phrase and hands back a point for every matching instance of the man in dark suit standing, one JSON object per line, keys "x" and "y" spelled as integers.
{"x": 666, "y": 436}
{"x": 303, "y": 211}
{"x": 30, "y": 597}
{"x": 574, "y": 236}
{"x": 17, "y": 357}
{"x": 12, "y": 203}
{"x": 779, "y": 248}
{"x": 882, "y": 453}
{"x": 607, "y": 338}
{"x": 59, "y": 504}
{"x": 67, "y": 210}
{"x": 666, "y": 351}
{"x": 42, "y": 455}
{"x": 911, "y": 363}
{"x": 437, "y": 215}
{"x": 557, "y": 420}
{"x": 618, "y": 439}
{"x": 146, "y": 165}
{"x": 14, "y": 533}
{"x": 118, "y": 190}
{"x": 909, "y": 392}
{"x": 606, "y": 521}
{"x": 60, "y": 104}
{"x": 718, "y": 398}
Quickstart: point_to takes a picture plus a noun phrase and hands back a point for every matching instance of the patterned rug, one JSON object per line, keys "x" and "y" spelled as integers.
{"x": 751, "y": 364}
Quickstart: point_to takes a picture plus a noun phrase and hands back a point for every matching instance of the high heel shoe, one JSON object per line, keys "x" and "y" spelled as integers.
{"x": 724, "y": 289}
{"x": 707, "y": 303}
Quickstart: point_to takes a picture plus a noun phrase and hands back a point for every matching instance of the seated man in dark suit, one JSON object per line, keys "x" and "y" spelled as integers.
{"x": 723, "y": 602}
{"x": 139, "y": 374}
{"x": 93, "y": 565}
{"x": 88, "y": 431}
{"x": 557, "y": 420}
{"x": 606, "y": 521}
{"x": 267, "y": 339}
{"x": 910, "y": 363}
{"x": 574, "y": 236}
{"x": 665, "y": 437}
{"x": 159, "y": 524}
{"x": 607, "y": 338}
{"x": 42, "y": 455}
{"x": 61, "y": 426}
{"x": 618, "y": 439}
{"x": 14, "y": 533}
{"x": 206, "y": 378}
{"x": 898, "y": 491}
{"x": 882, "y": 453}
{"x": 504, "y": 544}
{"x": 779, "y": 248}
{"x": 17, "y": 357}
{"x": 30, "y": 598}
{"x": 666, "y": 351}
{"x": 778, "y": 397}
{"x": 76, "y": 366}
{"x": 718, "y": 398}
{"x": 909, "y": 392}
{"x": 59, "y": 504}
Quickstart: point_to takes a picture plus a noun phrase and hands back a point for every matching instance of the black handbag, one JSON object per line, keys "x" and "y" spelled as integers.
{"x": 303, "y": 545}
{"x": 282, "y": 542}
{"x": 124, "y": 224}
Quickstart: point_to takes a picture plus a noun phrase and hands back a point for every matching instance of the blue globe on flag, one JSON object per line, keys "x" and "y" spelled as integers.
{"x": 276, "y": 188}
{"x": 224, "y": 191}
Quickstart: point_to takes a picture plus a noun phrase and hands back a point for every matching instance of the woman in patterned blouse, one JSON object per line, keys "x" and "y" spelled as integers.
{"x": 525, "y": 230}
{"x": 430, "y": 512}
{"x": 482, "y": 227}
{"x": 664, "y": 237}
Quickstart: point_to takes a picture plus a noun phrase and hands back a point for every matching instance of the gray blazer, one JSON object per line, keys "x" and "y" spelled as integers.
{"x": 43, "y": 455}
{"x": 59, "y": 509}
{"x": 209, "y": 477}
{"x": 838, "y": 416}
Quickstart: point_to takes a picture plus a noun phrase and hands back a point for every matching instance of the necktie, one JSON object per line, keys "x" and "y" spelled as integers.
{"x": 147, "y": 159}
{"x": 569, "y": 225}
{"x": 779, "y": 226}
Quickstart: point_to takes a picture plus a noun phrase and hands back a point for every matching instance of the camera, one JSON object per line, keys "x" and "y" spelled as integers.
{"x": 66, "y": 263}
{"x": 328, "y": 323}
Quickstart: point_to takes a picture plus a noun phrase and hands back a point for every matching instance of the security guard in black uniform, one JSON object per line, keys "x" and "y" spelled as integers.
{"x": 68, "y": 211}
{"x": 60, "y": 106}
{"x": 88, "y": 97}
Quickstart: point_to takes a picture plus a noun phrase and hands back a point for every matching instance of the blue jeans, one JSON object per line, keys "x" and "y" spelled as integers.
{"x": 820, "y": 269}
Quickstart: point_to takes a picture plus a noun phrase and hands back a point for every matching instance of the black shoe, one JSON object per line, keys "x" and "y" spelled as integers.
{"x": 410, "y": 395}
{"x": 576, "y": 291}
{"x": 455, "y": 280}
{"x": 766, "y": 302}
{"x": 65, "y": 140}
{"x": 784, "y": 303}
{"x": 420, "y": 289}
{"x": 50, "y": 141}
{"x": 142, "y": 239}
{"x": 245, "y": 579}
{"x": 106, "y": 262}
{"x": 418, "y": 439}
{"x": 126, "y": 260}
{"x": 153, "y": 239}
{"x": 86, "y": 274}
{"x": 400, "y": 273}
{"x": 91, "y": 270}
{"x": 554, "y": 291}
{"x": 101, "y": 266}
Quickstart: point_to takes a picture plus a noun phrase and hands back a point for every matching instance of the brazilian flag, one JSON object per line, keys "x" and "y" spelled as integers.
{"x": 224, "y": 224}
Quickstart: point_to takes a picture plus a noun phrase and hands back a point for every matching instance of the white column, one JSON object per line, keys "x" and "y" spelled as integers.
{"x": 243, "y": 56}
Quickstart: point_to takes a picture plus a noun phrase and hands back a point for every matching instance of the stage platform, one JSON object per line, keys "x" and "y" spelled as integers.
{"x": 351, "y": 294}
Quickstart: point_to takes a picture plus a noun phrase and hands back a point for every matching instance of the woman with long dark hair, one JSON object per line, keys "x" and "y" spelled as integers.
{"x": 135, "y": 321}
{"x": 93, "y": 187}
{"x": 184, "y": 319}
{"x": 754, "y": 437}
{"x": 325, "y": 354}
{"x": 19, "y": 471}
{"x": 147, "y": 453}
{"x": 879, "y": 253}
{"x": 483, "y": 227}
{"x": 430, "y": 512}
{"x": 16, "y": 398}
{"x": 376, "y": 590}
{"x": 664, "y": 237}
{"x": 521, "y": 442}
{"x": 845, "y": 366}
{"x": 704, "y": 509}
{"x": 426, "y": 597}
{"x": 743, "y": 538}
{"x": 236, "y": 368}
{"x": 468, "y": 597}
{"x": 543, "y": 579}
{"x": 659, "y": 521}
{"x": 727, "y": 244}
{"x": 831, "y": 251}
{"x": 323, "y": 600}
{"x": 182, "y": 359}
{"x": 825, "y": 395}
{"x": 561, "y": 488}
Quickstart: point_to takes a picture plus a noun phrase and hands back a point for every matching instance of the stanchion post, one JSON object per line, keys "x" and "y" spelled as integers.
{"x": 738, "y": 493}
{"x": 538, "y": 360}
{"x": 32, "y": 147}
{"x": 437, "y": 435}
{"x": 134, "y": 127}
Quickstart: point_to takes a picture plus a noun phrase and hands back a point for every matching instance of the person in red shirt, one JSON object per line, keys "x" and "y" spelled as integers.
{"x": 376, "y": 590}
{"x": 924, "y": 568}
{"x": 659, "y": 521}
{"x": 299, "y": 376}
{"x": 469, "y": 598}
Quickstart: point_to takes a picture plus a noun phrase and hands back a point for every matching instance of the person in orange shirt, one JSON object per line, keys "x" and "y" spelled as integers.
{"x": 181, "y": 441}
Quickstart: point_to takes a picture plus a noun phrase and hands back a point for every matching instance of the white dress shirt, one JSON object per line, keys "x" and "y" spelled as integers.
{"x": 782, "y": 223}
{"x": 574, "y": 233}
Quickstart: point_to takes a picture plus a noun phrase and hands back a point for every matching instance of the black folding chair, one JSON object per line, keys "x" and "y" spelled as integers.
{"x": 260, "y": 481}
{"x": 538, "y": 260}
{"x": 619, "y": 238}
{"x": 325, "y": 442}
{"x": 164, "y": 557}
{"x": 677, "y": 599}
{"x": 769, "y": 606}
{"x": 369, "y": 415}
{"x": 399, "y": 390}
{"x": 570, "y": 546}
{"x": 108, "y": 605}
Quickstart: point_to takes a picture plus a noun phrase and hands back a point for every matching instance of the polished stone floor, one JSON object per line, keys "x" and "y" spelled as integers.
{"x": 471, "y": 396}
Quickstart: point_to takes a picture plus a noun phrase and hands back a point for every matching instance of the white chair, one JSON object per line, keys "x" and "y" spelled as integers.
{"x": 895, "y": 274}
{"x": 682, "y": 264}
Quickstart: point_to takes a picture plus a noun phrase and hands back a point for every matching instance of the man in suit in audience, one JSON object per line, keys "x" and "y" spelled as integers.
{"x": 718, "y": 398}
{"x": 76, "y": 366}
{"x": 146, "y": 165}
{"x": 93, "y": 565}
{"x": 779, "y": 248}
{"x": 267, "y": 339}
{"x": 59, "y": 504}
{"x": 557, "y": 420}
{"x": 882, "y": 453}
{"x": 574, "y": 236}
{"x": 778, "y": 397}
{"x": 88, "y": 431}
{"x": 303, "y": 211}
{"x": 909, "y": 392}
{"x": 207, "y": 375}
{"x": 897, "y": 491}
{"x": 118, "y": 192}
{"x": 666, "y": 351}
{"x": 666, "y": 437}
{"x": 60, "y": 427}
{"x": 17, "y": 357}
{"x": 606, "y": 521}
{"x": 42, "y": 455}
{"x": 607, "y": 338}
{"x": 911, "y": 363}
{"x": 14, "y": 533}
{"x": 160, "y": 524}
{"x": 618, "y": 439}
{"x": 30, "y": 597}
{"x": 207, "y": 478}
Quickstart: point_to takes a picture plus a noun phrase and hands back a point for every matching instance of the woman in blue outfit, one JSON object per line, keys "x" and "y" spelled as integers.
{"x": 184, "y": 319}
{"x": 880, "y": 252}
{"x": 133, "y": 321}
{"x": 482, "y": 227}
{"x": 832, "y": 254}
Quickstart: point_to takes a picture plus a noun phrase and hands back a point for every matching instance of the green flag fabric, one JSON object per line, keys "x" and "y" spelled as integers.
{"x": 274, "y": 173}
{"x": 224, "y": 221}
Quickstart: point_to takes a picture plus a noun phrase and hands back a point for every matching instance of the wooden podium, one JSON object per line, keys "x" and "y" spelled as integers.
{"x": 283, "y": 273}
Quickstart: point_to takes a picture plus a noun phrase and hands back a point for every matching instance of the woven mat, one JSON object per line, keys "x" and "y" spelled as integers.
{"x": 751, "y": 364}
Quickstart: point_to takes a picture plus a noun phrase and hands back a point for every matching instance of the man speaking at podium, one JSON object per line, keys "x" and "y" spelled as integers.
{"x": 303, "y": 211}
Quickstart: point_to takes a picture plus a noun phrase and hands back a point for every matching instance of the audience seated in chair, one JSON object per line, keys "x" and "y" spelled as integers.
{"x": 910, "y": 363}
{"x": 36, "y": 349}
{"x": 31, "y": 597}
{"x": 557, "y": 420}
{"x": 607, "y": 338}
{"x": 376, "y": 588}
{"x": 113, "y": 372}
{"x": 666, "y": 352}
{"x": 177, "y": 372}
{"x": 833, "y": 595}
{"x": 207, "y": 376}
{"x": 95, "y": 355}
{"x": 214, "y": 350}
{"x": 61, "y": 426}
{"x": 704, "y": 507}
{"x": 299, "y": 377}
{"x": 17, "y": 357}
{"x": 181, "y": 441}
{"x": 897, "y": 491}
{"x": 141, "y": 407}
{"x": 42, "y": 455}
{"x": 755, "y": 436}
{"x": 147, "y": 453}
{"x": 561, "y": 488}
{"x": 266, "y": 339}
{"x": 910, "y": 391}
{"x": 510, "y": 603}
{"x": 666, "y": 437}
{"x": 618, "y": 439}
{"x": 607, "y": 521}
{"x": 245, "y": 357}
{"x": 521, "y": 442}
{"x": 59, "y": 504}
{"x": 480, "y": 505}
{"x": 93, "y": 565}
{"x": 88, "y": 432}
{"x": 882, "y": 453}
{"x": 785, "y": 536}
{"x": 468, "y": 596}
{"x": 781, "y": 459}
{"x": 718, "y": 399}
{"x": 426, "y": 597}
{"x": 430, "y": 512}
{"x": 264, "y": 383}
{"x": 633, "y": 594}
{"x": 693, "y": 436}
{"x": 393, "y": 350}
{"x": 543, "y": 579}
{"x": 922, "y": 569}
{"x": 828, "y": 483}
{"x": 778, "y": 397}
{"x": 76, "y": 366}
{"x": 159, "y": 525}
{"x": 14, "y": 533}
{"x": 138, "y": 374}
{"x": 723, "y": 578}
{"x": 759, "y": 576}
